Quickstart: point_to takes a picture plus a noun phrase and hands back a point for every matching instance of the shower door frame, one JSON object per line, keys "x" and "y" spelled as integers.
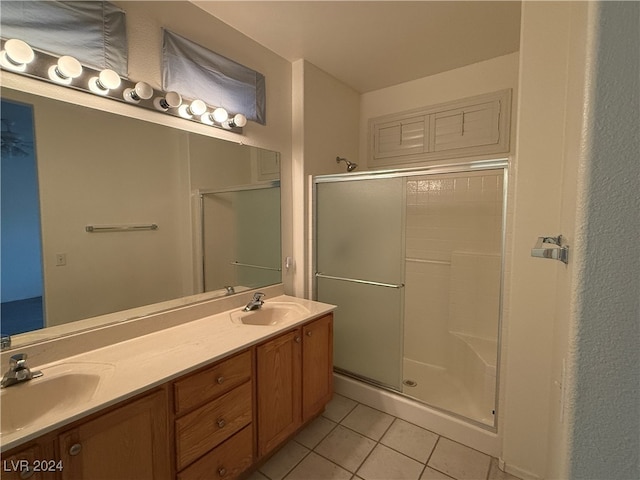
{"x": 437, "y": 169}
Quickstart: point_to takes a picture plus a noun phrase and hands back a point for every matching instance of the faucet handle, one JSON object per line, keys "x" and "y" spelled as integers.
{"x": 19, "y": 360}
{"x": 258, "y": 296}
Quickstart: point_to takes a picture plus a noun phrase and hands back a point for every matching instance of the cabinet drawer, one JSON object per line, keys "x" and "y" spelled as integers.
{"x": 226, "y": 461}
{"x": 210, "y": 425}
{"x": 216, "y": 380}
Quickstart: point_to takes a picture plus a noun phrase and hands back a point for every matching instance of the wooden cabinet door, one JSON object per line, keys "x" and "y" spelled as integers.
{"x": 35, "y": 462}
{"x": 278, "y": 389}
{"x": 131, "y": 442}
{"x": 317, "y": 366}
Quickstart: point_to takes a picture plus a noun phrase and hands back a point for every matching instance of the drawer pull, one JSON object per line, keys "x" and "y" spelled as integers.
{"x": 221, "y": 423}
{"x": 297, "y": 339}
{"x": 222, "y": 471}
{"x": 75, "y": 449}
{"x": 220, "y": 380}
{"x": 309, "y": 333}
{"x": 27, "y": 472}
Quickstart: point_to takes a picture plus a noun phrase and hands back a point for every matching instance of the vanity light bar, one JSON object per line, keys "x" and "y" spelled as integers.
{"x": 18, "y": 57}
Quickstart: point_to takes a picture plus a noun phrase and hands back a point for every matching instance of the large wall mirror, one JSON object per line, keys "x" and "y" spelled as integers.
{"x": 173, "y": 215}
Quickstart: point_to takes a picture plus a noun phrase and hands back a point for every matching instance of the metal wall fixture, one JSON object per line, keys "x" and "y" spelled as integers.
{"x": 551, "y": 247}
{"x": 351, "y": 166}
{"x": 119, "y": 228}
{"x": 238, "y": 264}
{"x": 18, "y": 57}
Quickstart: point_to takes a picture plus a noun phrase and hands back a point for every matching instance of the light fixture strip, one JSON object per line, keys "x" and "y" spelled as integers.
{"x": 39, "y": 69}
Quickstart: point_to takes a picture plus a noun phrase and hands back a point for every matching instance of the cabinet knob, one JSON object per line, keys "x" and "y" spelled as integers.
{"x": 75, "y": 449}
{"x": 221, "y": 423}
{"x": 297, "y": 339}
{"x": 220, "y": 380}
{"x": 222, "y": 471}
{"x": 27, "y": 472}
{"x": 309, "y": 333}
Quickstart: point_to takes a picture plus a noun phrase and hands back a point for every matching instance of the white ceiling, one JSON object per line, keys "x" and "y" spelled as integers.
{"x": 375, "y": 44}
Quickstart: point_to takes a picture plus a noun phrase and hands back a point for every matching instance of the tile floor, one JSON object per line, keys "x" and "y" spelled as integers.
{"x": 352, "y": 441}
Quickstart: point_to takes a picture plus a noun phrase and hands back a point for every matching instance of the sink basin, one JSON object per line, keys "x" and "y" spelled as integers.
{"x": 60, "y": 388}
{"x": 274, "y": 313}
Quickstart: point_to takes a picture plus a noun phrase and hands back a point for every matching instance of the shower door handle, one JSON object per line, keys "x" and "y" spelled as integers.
{"x": 357, "y": 280}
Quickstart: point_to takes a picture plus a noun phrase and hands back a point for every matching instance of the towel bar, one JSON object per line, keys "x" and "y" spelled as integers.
{"x": 119, "y": 228}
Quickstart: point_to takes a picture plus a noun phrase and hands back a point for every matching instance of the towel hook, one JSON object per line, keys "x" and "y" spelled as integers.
{"x": 551, "y": 247}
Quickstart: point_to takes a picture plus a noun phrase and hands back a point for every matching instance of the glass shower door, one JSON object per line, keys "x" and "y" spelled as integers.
{"x": 359, "y": 251}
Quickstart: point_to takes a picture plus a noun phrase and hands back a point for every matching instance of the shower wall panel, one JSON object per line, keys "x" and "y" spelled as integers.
{"x": 447, "y": 215}
{"x": 452, "y": 300}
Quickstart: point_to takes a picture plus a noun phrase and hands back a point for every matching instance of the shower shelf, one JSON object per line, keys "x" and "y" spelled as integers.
{"x": 484, "y": 348}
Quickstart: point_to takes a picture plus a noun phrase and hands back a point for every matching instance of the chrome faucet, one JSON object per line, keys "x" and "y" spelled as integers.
{"x": 18, "y": 371}
{"x": 255, "y": 303}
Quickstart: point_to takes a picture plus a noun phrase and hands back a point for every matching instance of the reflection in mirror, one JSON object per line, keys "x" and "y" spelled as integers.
{"x": 21, "y": 282}
{"x": 99, "y": 169}
{"x": 247, "y": 247}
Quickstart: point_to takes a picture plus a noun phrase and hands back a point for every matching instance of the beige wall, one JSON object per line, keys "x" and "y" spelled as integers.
{"x": 552, "y": 65}
{"x": 325, "y": 115}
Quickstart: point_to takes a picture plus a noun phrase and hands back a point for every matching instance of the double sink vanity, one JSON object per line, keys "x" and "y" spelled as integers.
{"x": 200, "y": 392}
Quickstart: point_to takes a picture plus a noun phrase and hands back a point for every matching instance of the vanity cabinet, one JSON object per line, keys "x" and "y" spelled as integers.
{"x": 35, "y": 461}
{"x": 294, "y": 381}
{"x": 214, "y": 423}
{"x": 317, "y": 366}
{"x": 214, "y": 420}
{"x": 130, "y": 441}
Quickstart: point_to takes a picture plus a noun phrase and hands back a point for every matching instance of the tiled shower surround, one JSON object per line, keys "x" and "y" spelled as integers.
{"x": 452, "y": 297}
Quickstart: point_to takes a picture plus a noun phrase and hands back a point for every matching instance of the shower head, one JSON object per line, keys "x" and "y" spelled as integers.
{"x": 351, "y": 166}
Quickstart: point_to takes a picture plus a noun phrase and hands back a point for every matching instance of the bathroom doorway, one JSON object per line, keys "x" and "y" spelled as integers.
{"x": 414, "y": 261}
{"x": 22, "y": 279}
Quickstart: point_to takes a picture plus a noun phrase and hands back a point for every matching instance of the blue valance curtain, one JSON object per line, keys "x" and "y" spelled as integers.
{"x": 91, "y": 31}
{"x": 196, "y": 72}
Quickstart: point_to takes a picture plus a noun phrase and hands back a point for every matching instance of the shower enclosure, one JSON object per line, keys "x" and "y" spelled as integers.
{"x": 413, "y": 260}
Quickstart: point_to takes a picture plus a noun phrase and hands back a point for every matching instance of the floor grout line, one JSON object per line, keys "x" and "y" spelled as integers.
{"x": 377, "y": 443}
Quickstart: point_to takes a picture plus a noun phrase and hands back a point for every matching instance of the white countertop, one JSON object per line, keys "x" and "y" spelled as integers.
{"x": 147, "y": 361}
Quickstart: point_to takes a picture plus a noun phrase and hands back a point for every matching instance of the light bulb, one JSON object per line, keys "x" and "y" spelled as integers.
{"x": 107, "y": 80}
{"x": 220, "y": 115}
{"x": 16, "y": 55}
{"x": 194, "y": 109}
{"x": 65, "y": 70}
{"x": 238, "y": 120}
{"x": 141, "y": 91}
{"x": 170, "y": 100}
{"x": 207, "y": 118}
